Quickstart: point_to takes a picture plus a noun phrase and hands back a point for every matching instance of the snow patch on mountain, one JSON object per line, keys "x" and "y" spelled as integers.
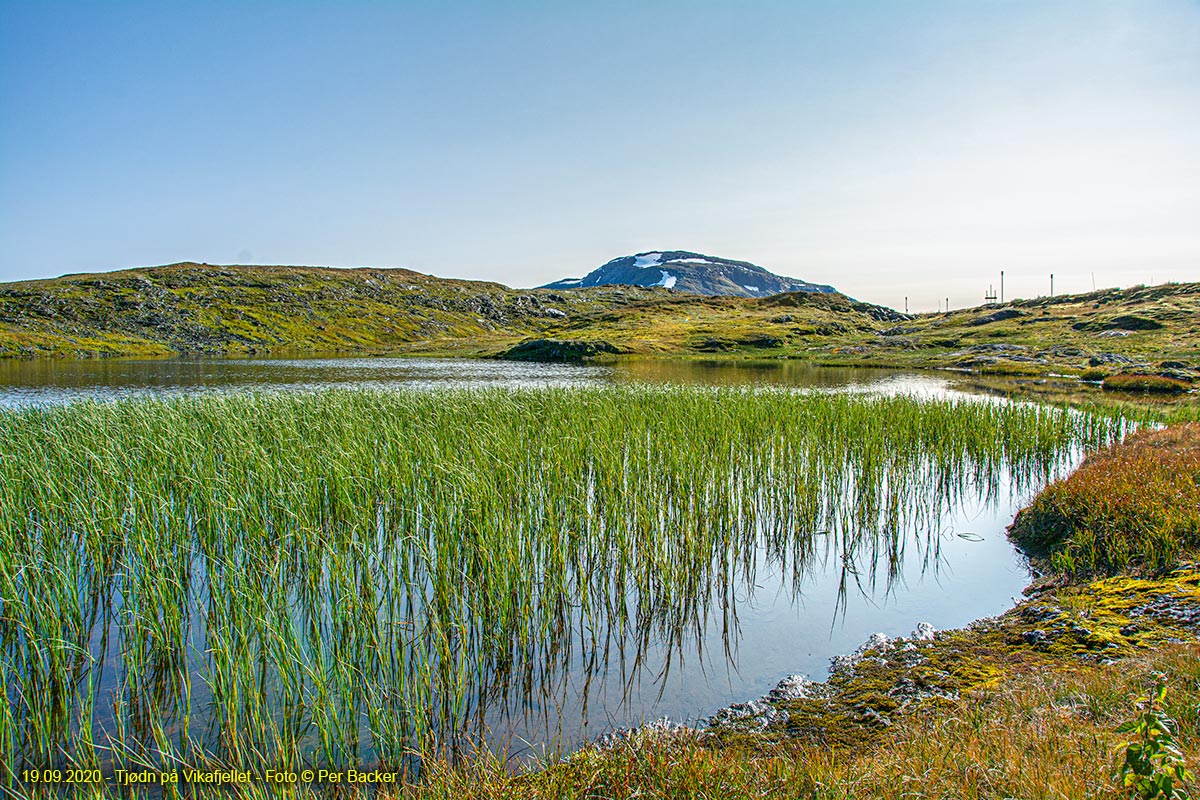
{"x": 686, "y": 271}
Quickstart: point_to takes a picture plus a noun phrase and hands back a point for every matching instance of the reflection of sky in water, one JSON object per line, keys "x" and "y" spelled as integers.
{"x": 48, "y": 382}
{"x": 783, "y": 625}
{"x": 786, "y": 627}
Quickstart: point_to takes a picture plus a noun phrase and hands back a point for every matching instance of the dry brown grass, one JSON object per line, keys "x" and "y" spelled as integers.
{"x": 1043, "y": 734}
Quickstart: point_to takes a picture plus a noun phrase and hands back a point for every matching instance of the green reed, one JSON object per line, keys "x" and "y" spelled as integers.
{"x": 330, "y": 577}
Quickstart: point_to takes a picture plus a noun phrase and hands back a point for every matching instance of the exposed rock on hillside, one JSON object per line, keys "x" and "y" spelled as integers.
{"x": 686, "y": 271}
{"x": 557, "y": 350}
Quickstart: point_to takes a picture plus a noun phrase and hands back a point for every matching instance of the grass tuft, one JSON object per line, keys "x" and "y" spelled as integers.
{"x": 1154, "y": 384}
{"x": 1135, "y": 505}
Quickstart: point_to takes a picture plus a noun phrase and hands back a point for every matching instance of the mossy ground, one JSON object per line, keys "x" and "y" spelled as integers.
{"x": 1059, "y": 627}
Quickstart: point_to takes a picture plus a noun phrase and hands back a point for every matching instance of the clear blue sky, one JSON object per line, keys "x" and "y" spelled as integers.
{"x": 891, "y": 148}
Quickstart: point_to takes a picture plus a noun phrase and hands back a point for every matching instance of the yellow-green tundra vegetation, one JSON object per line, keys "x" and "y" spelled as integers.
{"x": 1151, "y": 332}
{"x": 1027, "y": 704}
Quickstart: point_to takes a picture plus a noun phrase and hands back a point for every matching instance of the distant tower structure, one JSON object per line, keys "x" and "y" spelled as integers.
{"x": 1002, "y": 286}
{"x": 990, "y": 297}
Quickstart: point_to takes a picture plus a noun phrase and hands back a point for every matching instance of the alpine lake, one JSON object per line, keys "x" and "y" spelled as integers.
{"x": 364, "y": 561}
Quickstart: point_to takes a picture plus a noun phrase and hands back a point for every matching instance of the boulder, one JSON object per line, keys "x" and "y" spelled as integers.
{"x": 997, "y": 316}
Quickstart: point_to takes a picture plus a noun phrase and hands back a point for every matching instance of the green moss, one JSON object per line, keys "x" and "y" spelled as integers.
{"x": 1068, "y": 626}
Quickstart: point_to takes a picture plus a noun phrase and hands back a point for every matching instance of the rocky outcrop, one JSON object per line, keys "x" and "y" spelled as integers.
{"x": 558, "y": 350}
{"x": 696, "y": 273}
{"x": 997, "y": 316}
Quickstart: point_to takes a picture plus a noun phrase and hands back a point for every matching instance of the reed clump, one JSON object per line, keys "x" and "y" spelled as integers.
{"x": 351, "y": 577}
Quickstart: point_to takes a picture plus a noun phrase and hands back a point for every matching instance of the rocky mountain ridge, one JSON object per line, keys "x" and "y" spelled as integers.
{"x": 696, "y": 273}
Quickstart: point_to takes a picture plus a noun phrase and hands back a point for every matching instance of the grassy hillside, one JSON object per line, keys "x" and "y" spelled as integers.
{"x": 192, "y": 308}
{"x": 1107, "y": 330}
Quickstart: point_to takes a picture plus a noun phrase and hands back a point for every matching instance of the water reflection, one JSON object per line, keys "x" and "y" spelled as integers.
{"x": 597, "y": 557}
{"x": 53, "y": 381}
{"x": 767, "y": 372}
{"x": 49, "y": 381}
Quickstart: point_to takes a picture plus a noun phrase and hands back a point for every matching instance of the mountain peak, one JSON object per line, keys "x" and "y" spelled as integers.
{"x": 696, "y": 273}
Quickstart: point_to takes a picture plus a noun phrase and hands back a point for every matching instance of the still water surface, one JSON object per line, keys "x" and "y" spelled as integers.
{"x": 959, "y": 569}
{"x": 54, "y": 381}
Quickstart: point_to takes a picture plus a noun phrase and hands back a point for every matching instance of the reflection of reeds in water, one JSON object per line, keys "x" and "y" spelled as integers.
{"x": 346, "y": 576}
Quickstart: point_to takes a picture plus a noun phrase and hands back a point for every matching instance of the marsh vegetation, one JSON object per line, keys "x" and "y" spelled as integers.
{"x": 352, "y": 577}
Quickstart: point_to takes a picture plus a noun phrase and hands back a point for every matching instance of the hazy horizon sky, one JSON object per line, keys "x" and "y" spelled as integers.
{"x": 890, "y": 149}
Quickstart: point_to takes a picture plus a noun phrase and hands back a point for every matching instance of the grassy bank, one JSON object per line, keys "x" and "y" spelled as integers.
{"x": 1134, "y": 506}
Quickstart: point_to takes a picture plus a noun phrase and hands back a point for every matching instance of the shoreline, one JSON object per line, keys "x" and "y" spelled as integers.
{"x": 1030, "y": 699}
{"x": 1090, "y": 617}
{"x": 1126, "y": 592}
{"x": 1098, "y": 621}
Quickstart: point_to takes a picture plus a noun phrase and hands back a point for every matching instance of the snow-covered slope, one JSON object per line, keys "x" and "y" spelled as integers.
{"x": 691, "y": 272}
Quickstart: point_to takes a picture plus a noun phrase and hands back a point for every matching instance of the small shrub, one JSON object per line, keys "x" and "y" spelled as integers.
{"x": 1093, "y": 375}
{"x": 1153, "y": 767}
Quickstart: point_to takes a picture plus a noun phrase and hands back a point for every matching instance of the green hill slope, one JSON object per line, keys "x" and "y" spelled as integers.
{"x": 193, "y": 308}
{"x": 236, "y": 310}
{"x": 202, "y": 309}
